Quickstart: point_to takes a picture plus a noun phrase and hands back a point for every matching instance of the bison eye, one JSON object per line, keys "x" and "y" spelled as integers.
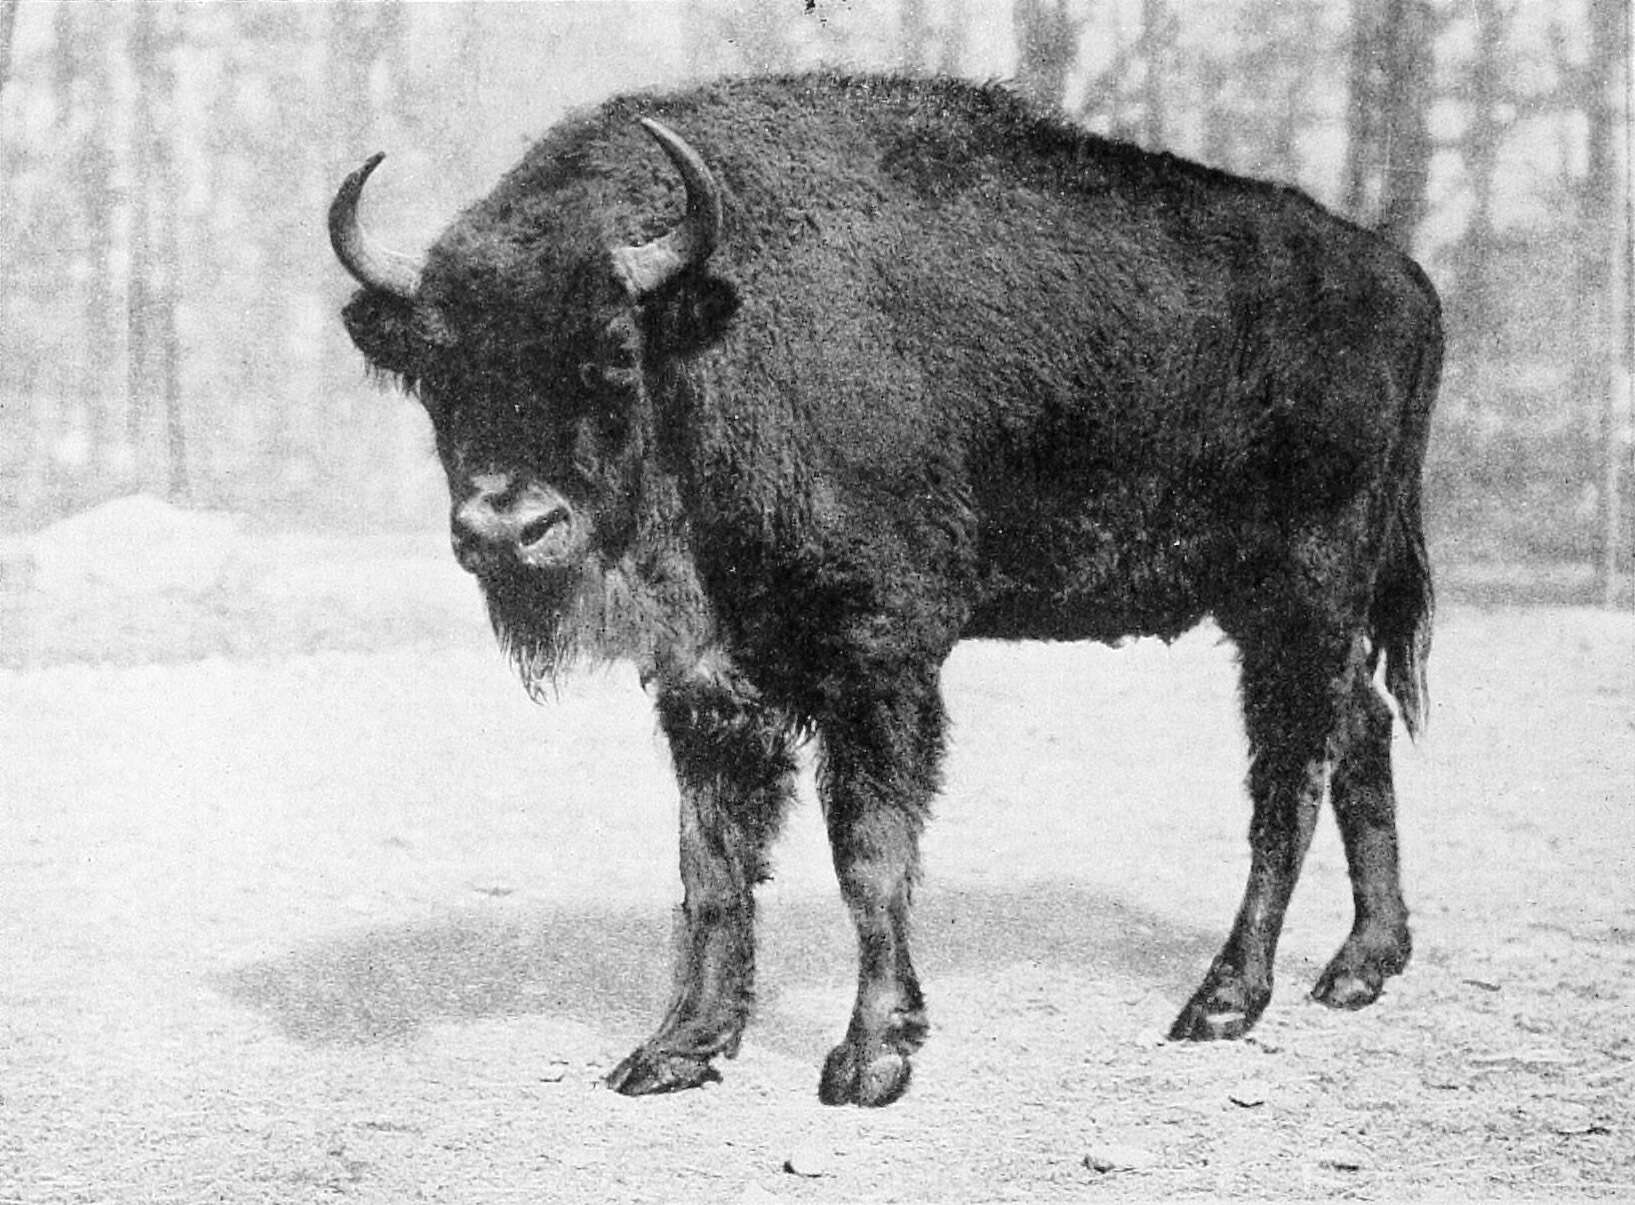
{"x": 609, "y": 386}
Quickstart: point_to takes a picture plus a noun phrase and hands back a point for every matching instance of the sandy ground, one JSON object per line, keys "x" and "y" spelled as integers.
{"x": 294, "y": 911}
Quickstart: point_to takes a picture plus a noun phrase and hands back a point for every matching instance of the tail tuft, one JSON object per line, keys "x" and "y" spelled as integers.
{"x": 1400, "y": 619}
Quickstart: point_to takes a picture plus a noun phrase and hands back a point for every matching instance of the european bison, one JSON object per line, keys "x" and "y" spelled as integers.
{"x": 919, "y": 364}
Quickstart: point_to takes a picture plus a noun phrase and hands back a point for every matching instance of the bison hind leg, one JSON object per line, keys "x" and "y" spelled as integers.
{"x": 1365, "y": 806}
{"x": 1298, "y": 666}
{"x": 1315, "y": 722}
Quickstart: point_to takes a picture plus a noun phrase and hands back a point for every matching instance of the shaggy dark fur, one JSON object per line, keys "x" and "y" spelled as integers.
{"x": 955, "y": 370}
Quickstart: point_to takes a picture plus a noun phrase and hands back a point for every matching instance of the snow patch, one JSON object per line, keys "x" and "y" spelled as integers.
{"x": 137, "y": 545}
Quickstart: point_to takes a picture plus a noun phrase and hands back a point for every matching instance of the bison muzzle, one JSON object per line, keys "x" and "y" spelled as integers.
{"x": 864, "y": 366}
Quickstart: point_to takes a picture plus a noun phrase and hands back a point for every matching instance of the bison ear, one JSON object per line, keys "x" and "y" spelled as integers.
{"x": 697, "y": 314}
{"x": 395, "y": 335}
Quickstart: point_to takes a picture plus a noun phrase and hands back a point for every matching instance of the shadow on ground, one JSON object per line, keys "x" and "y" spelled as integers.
{"x": 612, "y": 967}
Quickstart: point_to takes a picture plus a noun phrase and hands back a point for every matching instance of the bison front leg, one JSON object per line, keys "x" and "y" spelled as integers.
{"x": 879, "y": 772}
{"x": 735, "y": 768}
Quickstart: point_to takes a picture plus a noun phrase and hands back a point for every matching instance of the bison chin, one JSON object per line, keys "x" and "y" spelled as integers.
{"x": 550, "y": 622}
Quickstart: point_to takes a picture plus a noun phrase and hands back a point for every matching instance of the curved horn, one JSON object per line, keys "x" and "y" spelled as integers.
{"x": 371, "y": 266}
{"x": 652, "y": 265}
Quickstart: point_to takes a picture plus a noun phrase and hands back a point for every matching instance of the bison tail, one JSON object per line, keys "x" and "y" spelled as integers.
{"x": 1400, "y": 619}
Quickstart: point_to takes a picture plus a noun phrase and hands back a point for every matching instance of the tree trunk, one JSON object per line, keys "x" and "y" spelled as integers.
{"x": 1047, "y": 40}
{"x": 29, "y": 421}
{"x": 1407, "y": 152}
{"x": 155, "y": 425}
{"x": 1600, "y": 247}
{"x": 1217, "y": 137}
{"x": 951, "y": 55}
{"x": 138, "y": 293}
{"x": 365, "y": 42}
{"x": 86, "y": 109}
{"x": 167, "y": 234}
{"x": 1621, "y": 459}
{"x": 915, "y": 35}
{"x": 1388, "y": 154}
{"x": 1620, "y": 454}
{"x": 1151, "y": 48}
{"x": 1480, "y": 150}
{"x": 8, "y": 27}
{"x": 349, "y": 56}
{"x": 1362, "y": 109}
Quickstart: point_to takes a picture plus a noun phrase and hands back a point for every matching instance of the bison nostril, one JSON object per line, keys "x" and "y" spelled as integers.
{"x": 538, "y": 528}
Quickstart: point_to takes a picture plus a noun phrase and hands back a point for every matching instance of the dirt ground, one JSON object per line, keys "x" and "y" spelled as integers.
{"x": 304, "y": 903}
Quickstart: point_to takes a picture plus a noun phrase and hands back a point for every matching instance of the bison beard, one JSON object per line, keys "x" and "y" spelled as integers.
{"x": 918, "y": 365}
{"x": 550, "y": 622}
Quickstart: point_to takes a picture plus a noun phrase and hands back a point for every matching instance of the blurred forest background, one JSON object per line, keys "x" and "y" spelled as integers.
{"x": 168, "y": 298}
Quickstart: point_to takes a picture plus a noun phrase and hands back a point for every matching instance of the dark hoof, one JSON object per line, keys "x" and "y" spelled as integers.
{"x": 1218, "y": 1011}
{"x": 851, "y": 1079}
{"x": 645, "y": 1072}
{"x": 1357, "y": 975}
{"x": 1346, "y": 989}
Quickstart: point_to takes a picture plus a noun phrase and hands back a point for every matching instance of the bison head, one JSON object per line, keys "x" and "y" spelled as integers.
{"x": 530, "y": 341}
